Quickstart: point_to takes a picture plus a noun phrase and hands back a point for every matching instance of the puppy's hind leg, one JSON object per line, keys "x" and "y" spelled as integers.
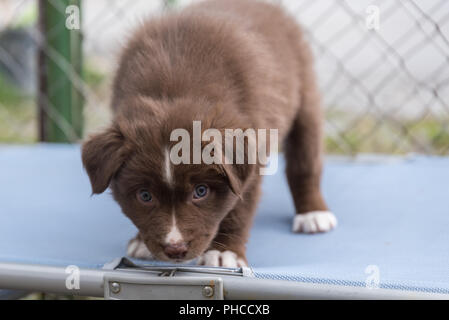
{"x": 303, "y": 149}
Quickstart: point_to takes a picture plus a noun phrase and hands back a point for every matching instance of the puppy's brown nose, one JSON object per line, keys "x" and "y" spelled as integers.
{"x": 176, "y": 250}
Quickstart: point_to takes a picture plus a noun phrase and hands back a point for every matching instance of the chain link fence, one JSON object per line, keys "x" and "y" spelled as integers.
{"x": 382, "y": 66}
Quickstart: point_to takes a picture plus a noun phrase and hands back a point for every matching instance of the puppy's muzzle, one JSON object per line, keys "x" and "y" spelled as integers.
{"x": 176, "y": 251}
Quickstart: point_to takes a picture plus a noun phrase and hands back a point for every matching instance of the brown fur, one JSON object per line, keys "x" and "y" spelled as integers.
{"x": 230, "y": 64}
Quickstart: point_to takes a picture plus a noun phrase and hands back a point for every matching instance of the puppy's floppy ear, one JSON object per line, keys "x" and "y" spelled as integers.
{"x": 237, "y": 175}
{"x": 103, "y": 155}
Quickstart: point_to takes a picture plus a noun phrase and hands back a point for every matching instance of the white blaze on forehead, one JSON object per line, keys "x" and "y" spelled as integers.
{"x": 174, "y": 235}
{"x": 168, "y": 173}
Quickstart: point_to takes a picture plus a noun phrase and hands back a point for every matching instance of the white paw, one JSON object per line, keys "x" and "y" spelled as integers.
{"x": 314, "y": 221}
{"x": 137, "y": 249}
{"x": 227, "y": 259}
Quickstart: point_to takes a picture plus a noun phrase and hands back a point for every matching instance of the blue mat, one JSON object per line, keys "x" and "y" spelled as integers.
{"x": 393, "y": 214}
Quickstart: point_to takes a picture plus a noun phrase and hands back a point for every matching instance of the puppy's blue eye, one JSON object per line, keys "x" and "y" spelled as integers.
{"x": 145, "y": 196}
{"x": 200, "y": 191}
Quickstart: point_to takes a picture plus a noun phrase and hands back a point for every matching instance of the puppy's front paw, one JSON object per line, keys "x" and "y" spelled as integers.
{"x": 137, "y": 249}
{"x": 314, "y": 221}
{"x": 227, "y": 259}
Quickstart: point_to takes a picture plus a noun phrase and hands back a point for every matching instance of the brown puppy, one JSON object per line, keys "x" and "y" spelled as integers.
{"x": 229, "y": 64}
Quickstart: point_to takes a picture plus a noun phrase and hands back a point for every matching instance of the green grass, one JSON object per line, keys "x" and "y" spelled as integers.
{"x": 366, "y": 135}
{"x": 9, "y": 94}
{"x": 93, "y": 78}
{"x": 386, "y": 135}
{"x": 433, "y": 131}
{"x": 17, "y": 115}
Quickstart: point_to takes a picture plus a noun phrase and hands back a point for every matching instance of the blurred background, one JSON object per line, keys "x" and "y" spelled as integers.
{"x": 385, "y": 89}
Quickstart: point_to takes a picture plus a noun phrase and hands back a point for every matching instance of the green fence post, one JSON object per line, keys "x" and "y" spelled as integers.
{"x": 60, "y": 58}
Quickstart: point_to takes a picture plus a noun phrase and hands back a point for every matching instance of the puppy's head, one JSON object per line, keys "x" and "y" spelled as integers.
{"x": 176, "y": 208}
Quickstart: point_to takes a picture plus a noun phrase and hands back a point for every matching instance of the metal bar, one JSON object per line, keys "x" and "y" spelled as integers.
{"x": 53, "y": 279}
{"x": 259, "y": 289}
{"x": 138, "y": 286}
{"x": 49, "y": 279}
{"x": 55, "y": 87}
